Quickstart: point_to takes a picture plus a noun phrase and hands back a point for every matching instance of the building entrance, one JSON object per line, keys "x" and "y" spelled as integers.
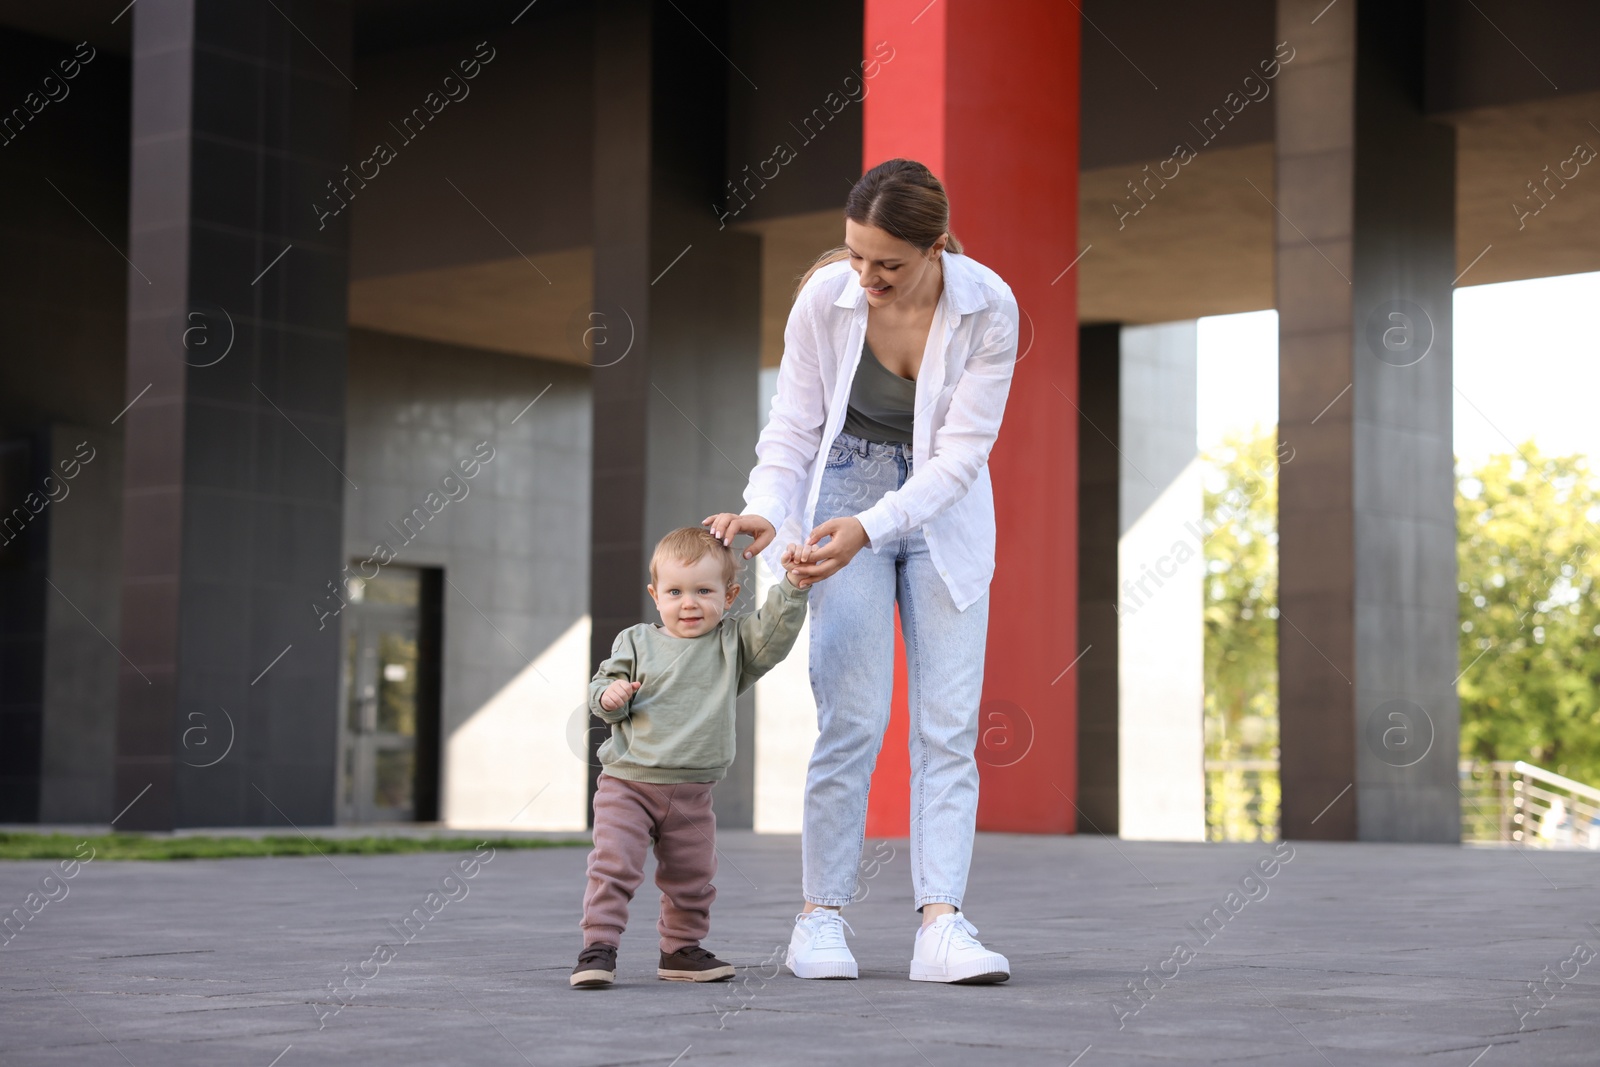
{"x": 389, "y": 740}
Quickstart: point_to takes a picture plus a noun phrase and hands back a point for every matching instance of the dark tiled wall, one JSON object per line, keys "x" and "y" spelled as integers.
{"x": 22, "y": 609}
{"x": 80, "y": 663}
{"x": 1469, "y": 65}
{"x": 795, "y": 56}
{"x": 63, "y": 176}
{"x": 1203, "y": 51}
{"x": 62, "y": 285}
{"x": 516, "y": 139}
{"x": 233, "y": 492}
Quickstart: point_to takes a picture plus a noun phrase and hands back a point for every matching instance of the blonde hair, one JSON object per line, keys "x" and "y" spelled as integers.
{"x": 902, "y": 197}
{"x": 689, "y": 545}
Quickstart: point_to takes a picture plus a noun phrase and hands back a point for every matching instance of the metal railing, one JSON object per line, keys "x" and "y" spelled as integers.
{"x": 1514, "y": 802}
{"x": 1242, "y": 800}
{"x": 1508, "y": 802}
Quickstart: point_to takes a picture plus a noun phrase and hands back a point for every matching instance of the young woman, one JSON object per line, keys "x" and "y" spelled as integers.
{"x": 898, "y": 356}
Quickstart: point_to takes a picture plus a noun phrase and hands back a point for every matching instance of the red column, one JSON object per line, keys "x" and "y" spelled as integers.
{"x": 987, "y": 96}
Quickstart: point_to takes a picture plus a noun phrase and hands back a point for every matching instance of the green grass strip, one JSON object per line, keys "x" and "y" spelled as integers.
{"x": 27, "y": 846}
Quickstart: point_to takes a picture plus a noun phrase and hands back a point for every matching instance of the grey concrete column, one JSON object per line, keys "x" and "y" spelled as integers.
{"x": 1365, "y": 255}
{"x": 675, "y": 418}
{"x": 1160, "y": 589}
{"x": 235, "y": 434}
{"x": 1141, "y": 566}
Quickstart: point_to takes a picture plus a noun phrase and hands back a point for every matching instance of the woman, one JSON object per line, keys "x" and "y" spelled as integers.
{"x": 897, "y": 360}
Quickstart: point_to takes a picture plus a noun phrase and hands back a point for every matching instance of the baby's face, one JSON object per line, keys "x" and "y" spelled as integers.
{"x": 691, "y": 597}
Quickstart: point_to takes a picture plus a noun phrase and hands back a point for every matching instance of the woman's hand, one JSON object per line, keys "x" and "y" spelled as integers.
{"x": 846, "y": 537}
{"x": 725, "y": 526}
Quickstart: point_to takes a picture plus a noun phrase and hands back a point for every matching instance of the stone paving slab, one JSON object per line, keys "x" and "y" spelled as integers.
{"x": 1349, "y": 954}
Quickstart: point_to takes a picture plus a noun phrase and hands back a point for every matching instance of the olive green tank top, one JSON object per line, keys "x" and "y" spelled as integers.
{"x": 881, "y": 402}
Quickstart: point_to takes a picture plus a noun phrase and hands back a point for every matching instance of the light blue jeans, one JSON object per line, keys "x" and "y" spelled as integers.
{"x": 852, "y": 677}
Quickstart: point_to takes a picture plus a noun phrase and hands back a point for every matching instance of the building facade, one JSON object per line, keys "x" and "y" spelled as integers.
{"x": 357, "y": 353}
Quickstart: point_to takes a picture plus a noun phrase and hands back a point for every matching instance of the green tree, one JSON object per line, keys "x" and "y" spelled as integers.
{"x": 1241, "y": 634}
{"x": 1530, "y": 612}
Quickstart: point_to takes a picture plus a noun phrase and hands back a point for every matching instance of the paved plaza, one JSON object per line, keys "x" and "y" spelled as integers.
{"x": 1346, "y": 954}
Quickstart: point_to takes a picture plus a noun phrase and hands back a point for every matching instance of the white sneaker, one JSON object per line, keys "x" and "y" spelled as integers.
{"x": 817, "y": 948}
{"x": 946, "y": 951}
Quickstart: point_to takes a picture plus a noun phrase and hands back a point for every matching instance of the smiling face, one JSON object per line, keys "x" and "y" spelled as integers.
{"x": 692, "y": 597}
{"x": 891, "y": 269}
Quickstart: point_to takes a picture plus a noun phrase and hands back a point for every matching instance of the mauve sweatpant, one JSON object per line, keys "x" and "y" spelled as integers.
{"x": 628, "y": 817}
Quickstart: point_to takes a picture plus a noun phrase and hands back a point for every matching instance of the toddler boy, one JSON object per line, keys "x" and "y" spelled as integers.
{"x": 668, "y": 691}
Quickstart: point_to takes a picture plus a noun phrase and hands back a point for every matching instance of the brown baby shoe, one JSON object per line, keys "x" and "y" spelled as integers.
{"x": 597, "y": 967}
{"x": 693, "y": 964}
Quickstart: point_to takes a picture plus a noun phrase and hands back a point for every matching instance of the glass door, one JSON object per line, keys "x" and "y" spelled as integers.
{"x": 386, "y": 756}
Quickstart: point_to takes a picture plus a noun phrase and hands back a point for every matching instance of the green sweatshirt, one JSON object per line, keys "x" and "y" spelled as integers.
{"x": 679, "y": 725}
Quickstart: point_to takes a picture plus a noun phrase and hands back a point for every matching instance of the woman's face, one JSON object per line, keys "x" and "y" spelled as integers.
{"x": 890, "y": 268}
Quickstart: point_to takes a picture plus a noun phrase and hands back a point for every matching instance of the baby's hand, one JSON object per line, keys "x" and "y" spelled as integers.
{"x": 791, "y": 559}
{"x": 618, "y": 693}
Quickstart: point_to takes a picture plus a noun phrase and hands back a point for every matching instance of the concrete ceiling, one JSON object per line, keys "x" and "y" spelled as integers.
{"x": 1498, "y": 151}
{"x": 511, "y": 305}
{"x": 788, "y": 248}
{"x": 1202, "y": 245}
{"x": 503, "y": 305}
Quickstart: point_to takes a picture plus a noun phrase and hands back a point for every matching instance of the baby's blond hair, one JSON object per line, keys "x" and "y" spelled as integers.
{"x": 689, "y": 545}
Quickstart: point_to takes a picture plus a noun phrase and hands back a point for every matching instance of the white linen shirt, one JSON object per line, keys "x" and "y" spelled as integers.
{"x": 961, "y": 392}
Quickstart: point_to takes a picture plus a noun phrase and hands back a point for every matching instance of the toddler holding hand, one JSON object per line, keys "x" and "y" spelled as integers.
{"x": 669, "y": 690}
